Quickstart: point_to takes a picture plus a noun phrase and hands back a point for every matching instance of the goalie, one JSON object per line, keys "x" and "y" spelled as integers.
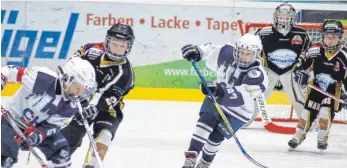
{"x": 283, "y": 43}
{"x": 328, "y": 63}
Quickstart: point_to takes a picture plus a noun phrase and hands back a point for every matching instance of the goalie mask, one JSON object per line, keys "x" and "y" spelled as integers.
{"x": 246, "y": 50}
{"x": 284, "y": 18}
{"x": 119, "y": 41}
{"x": 77, "y": 79}
{"x": 331, "y": 35}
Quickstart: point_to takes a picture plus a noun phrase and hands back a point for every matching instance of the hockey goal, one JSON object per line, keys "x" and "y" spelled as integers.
{"x": 284, "y": 112}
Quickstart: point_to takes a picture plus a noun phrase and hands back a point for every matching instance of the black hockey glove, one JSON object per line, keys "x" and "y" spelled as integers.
{"x": 301, "y": 77}
{"x": 344, "y": 98}
{"x": 215, "y": 88}
{"x": 191, "y": 53}
{"x": 89, "y": 113}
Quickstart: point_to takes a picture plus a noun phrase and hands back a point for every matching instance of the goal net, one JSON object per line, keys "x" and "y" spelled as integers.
{"x": 285, "y": 112}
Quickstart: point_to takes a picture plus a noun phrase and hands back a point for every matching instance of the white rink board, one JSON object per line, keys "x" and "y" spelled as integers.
{"x": 154, "y": 134}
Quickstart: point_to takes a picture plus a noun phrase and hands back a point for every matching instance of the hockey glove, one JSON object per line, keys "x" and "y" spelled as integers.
{"x": 344, "y": 98}
{"x": 215, "y": 88}
{"x": 191, "y": 53}
{"x": 3, "y": 81}
{"x": 34, "y": 136}
{"x": 301, "y": 77}
{"x": 89, "y": 113}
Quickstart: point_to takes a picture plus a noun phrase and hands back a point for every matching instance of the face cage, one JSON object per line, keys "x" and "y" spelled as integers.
{"x": 243, "y": 64}
{"x": 283, "y": 28}
{"x": 332, "y": 48}
{"x": 65, "y": 84}
{"x": 114, "y": 56}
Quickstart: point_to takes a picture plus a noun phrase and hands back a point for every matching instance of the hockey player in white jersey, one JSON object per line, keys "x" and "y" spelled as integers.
{"x": 42, "y": 106}
{"x": 240, "y": 78}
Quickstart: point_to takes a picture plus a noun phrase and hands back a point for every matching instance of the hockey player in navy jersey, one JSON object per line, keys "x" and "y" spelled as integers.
{"x": 42, "y": 106}
{"x": 240, "y": 78}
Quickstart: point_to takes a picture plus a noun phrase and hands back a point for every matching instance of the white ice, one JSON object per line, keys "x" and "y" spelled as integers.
{"x": 154, "y": 134}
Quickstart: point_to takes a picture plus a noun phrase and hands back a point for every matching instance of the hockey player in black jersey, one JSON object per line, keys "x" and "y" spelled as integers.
{"x": 283, "y": 42}
{"x": 327, "y": 62}
{"x": 115, "y": 78}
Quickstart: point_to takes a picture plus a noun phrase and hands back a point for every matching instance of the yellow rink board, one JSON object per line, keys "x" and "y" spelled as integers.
{"x": 165, "y": 94}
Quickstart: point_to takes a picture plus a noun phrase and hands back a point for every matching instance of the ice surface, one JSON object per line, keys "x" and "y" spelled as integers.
{"x": 154, "y": 134}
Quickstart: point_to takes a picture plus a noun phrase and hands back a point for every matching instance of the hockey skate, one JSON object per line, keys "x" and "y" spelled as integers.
{"x": 322, "y": 145}
{"x": 88, "y": 166}
{"x": 203, "y": 164}
{"x": 190, "y": 160}
{"x": 294, "y": 142}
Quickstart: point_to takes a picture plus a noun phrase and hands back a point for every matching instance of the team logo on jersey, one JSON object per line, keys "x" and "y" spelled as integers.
{"x": 296, "y": 40}
{"x": 324, "y": 80}
{"x": 337, "y": 67}
{"x": 73, "y": 104}
{"x": 254, "y": 73}
{"x": 282, "y": 58}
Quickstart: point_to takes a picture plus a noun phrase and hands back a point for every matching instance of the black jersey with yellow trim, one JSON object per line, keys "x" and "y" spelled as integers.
{"x": 114, "y": 78}
{"x": 329, "y": 69}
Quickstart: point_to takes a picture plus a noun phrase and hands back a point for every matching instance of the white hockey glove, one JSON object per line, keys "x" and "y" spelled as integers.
{"x": 191, "y": 53}
{"x": 89, "y": 113}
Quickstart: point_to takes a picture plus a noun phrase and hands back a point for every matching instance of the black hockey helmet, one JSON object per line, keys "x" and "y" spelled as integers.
{"x": 119, "y": 32}
{"x": 284, "y": 18}
{"x": 335, "y": 28}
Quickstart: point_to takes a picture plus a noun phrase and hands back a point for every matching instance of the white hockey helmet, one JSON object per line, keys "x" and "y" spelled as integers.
{"x": 80, "y": 72}
{"x": 247, "y": 49}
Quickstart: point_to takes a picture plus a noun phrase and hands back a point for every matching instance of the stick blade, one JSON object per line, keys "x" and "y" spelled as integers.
{"x": 279, "y": 129}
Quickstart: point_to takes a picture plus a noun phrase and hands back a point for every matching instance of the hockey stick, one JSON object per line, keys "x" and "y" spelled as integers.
{"x": 225, "y": 120}
{"x": 10, "y": 120}
{"x": 268, "y": 124}
{"x": 326, "y": 93}
{"x": 90, "y": 136}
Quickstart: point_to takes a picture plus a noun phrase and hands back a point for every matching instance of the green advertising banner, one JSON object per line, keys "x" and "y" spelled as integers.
{"x": 175, "y": 74}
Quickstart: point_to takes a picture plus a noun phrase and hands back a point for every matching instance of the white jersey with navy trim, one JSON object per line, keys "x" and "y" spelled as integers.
{"x": 36, "y": 101}
{"x": 241, "y": 86}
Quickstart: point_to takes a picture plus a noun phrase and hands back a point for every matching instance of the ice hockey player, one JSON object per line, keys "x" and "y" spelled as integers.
{"x": 283, "y": 42}
{"x": 115, "y": 78}
{"x": 240, "y": 78}
{"x": 327, "y": 61}
{"x": 43, "y": 105}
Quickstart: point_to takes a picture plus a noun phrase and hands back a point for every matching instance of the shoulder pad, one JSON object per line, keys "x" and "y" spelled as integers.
{"x": 313, "y": 51}
{"x": 95, "y": 51}
{"x": 265, "y": 30}
{"x": 38, "y": 78}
